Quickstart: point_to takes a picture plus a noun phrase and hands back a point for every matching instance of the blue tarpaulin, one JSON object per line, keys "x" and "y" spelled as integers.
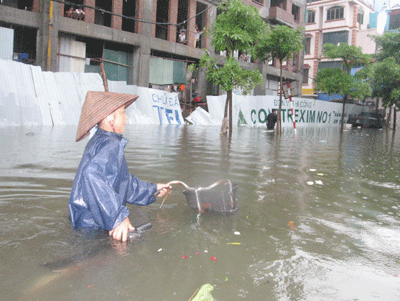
{"x": 327, "y": 97}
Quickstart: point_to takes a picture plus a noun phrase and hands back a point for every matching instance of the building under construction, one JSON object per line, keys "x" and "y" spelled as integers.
{"x": 148, "y": 43}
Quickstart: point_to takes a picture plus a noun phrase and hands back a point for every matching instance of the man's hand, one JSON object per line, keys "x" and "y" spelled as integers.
{"x": 163, "y": 189}
{"x": 120, "y": 232}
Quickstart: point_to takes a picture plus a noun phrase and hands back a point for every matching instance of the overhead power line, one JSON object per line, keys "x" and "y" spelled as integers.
{"x": 213, "y": 4}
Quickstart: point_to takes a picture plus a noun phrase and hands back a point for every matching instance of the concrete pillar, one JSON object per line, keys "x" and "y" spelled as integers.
{"x": 355, "y": 29}
{"x": 191, "y": 23}
{"x": 139, "y": 15}
{"x": 208, "y": 17}
{"x": 141, "y": 55}
{"x": 172, "y": 18}
{"x": 89, "y": 12}
{"x": 60, "y": 9}
{"x": 154, "y": 18}
{"x": 116, "y": 21}
{"x": 36, "y": 6}
{"x": 260, "y": 89}
{"x": 47, "y": 52}
{"x": 146, "y": 10}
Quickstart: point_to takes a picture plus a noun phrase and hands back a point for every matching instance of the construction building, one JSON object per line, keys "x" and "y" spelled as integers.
{"x": 148, "y": 43}
{"x": 337, "y": 21}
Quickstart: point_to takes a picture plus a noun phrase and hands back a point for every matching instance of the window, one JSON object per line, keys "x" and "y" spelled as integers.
{"x": 279, "y": 3}
{"x": 271, "y": 62}
{"x": 296, "y": 12}
{"x": 330, "y": 64}
{"x": 394, "y": 21}
{"x": 295, "y": 61}
{"x": 336, "y": 37}
{"x": 307, "y": 46}
{"x": 334, "y": 13}
{"x": 305, "y": 76}
{"x": 360, "y": 16}
{"x": 310, "y": 16}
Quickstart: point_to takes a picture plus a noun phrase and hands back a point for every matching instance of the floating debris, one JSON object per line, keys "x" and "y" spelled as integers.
{"x": 319, "y": 182}
{"x": 203, "y": 294}
{"x": 310, "y": 183}
{"x": 236, "y": 233}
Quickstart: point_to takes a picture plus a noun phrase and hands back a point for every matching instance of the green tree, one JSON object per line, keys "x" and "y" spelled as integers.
{"x": 388, "y": 45}
{"x": 280, "y": 43}
{"x": 236, "y": 28}
{"x": 340, "y": 80}
{"x": 385, "y": 80}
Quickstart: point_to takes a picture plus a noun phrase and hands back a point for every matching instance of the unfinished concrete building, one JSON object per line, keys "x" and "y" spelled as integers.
{"x": 143, "y": 42}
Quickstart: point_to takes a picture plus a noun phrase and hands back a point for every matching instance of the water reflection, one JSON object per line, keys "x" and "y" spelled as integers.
{"x": 318, "y": 217}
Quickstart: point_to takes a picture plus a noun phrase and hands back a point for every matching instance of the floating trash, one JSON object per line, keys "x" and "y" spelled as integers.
{"x": 319, "y": 182}
{"x": 236, "y": 233}
{"x": 203, "y": 294}
{"x": 310, "y": 183}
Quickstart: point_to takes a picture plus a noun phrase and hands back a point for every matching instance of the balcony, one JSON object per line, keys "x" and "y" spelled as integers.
{"x": 278, "y": 15}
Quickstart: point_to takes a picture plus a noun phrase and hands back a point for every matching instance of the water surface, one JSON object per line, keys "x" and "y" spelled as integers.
{"x": 318, "y": 217}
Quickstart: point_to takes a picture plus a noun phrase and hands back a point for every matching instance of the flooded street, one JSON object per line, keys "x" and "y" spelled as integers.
{"x": 318, "y": 217}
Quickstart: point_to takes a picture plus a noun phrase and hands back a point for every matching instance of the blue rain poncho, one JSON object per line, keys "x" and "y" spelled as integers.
{"x": 103, "y": 185}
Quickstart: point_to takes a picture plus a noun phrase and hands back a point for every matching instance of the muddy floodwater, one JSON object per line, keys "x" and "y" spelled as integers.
{"x": 318, "y": 217}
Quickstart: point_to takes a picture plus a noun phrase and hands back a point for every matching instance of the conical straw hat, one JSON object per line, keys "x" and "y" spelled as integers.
{"x": 97, "y": 106}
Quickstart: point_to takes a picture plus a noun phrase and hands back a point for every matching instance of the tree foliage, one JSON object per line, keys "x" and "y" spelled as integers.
{"x": 388, "y": 45}
{"x": 237, "y": 28}
{"x": 340, "y": 80}
{"x": 385, "y": 81}
{"x": 230, "y": 75}
{"x": 279, "y": 43}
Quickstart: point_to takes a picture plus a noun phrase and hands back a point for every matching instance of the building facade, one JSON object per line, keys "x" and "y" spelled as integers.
{"x": 143, "y": 42}
{"x": 334, "y": 22}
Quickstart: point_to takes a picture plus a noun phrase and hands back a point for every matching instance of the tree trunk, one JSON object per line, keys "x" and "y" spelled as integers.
{"x": 226, "y": 126}
{"x": 229, "y": 97}
{"x": 226, "y": 107}
{"x": 279, "y": 121}
{"x": 389, "y": 117}
{"x": 394, "y": 118}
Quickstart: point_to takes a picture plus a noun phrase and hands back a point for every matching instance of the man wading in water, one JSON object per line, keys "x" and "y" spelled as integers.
{"x": 103, "y": 185}
{"x": 272, "y": 118}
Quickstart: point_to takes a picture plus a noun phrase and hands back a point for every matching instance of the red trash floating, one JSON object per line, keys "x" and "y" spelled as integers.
{"x": 213, "y": 258}
{"x": 184, "y": 256}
